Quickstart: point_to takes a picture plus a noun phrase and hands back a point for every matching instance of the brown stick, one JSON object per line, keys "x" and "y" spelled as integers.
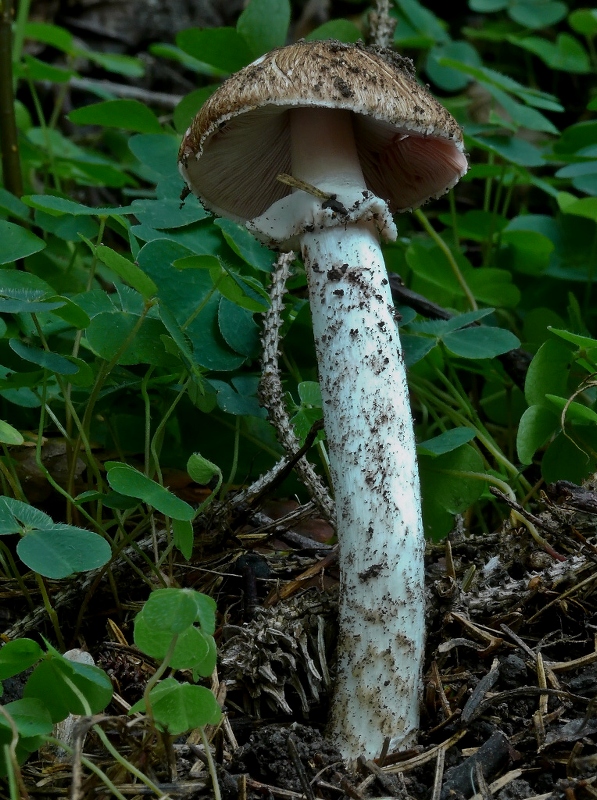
{"x": 9, "y": 142}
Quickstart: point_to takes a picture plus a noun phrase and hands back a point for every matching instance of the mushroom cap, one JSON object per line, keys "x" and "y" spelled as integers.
{"x": 409, "y": 146}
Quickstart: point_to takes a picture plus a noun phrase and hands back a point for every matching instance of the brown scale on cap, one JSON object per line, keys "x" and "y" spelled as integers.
{"x": 410, "y": 147}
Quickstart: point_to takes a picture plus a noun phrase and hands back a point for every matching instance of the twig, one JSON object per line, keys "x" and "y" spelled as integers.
{"x": 439, "y": 774}
{"x": 159, "y": 99}
{"x": 523, "y": 516}
{"x": 381, "y": 24}
{"x": 479, "y": 692}
{"x": 271, "y": 392}
{"x": 9, "y": 139}
{"x": 298, "y": 766}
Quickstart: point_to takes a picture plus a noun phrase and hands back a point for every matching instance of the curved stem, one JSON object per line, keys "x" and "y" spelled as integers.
{"x": 449, "y": 256}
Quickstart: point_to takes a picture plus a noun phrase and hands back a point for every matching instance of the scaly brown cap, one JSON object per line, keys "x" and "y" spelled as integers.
{"x": 410, "y": 147}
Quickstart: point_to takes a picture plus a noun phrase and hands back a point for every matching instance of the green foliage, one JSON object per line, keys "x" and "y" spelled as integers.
{"x": 58, "y": 686}
{"x": 133, "y": 327}
{"x": 148, "y": 298}
{"x": 176, "y": 626}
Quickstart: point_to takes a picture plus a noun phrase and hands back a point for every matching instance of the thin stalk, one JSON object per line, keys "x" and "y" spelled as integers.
{"x": 147, "y": 406}
{"x": 51, "y": 612}
{"x": 454, "y": 386}
{"x": 17, "y": 786}
{"x": 9, "y": 473}
{"x": 160, "y": 428}
{"x": 505, "y": 489}
{"x": 234, "y": 465}
{"x": 449, "y": 256}
{"x": 108, "y": 744}
{"x": 9, "y": 137}
{"x": 90, "y": 766}
{"x": 454, "y": 217}
{"x": 14, "y": 573}
{"x": 103, "y": 373}
{"x": 488, "y": 180}
{"x": 19, "y": 30}
{"x": 211, "y": 765}
{"x": 48, "y": 476}
{"x": 157, "y": 675}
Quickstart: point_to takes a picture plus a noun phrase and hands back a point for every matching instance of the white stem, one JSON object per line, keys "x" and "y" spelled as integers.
{"x": 372, "y": 455}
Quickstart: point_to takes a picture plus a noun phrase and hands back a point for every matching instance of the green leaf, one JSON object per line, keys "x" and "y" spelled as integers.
{"x": 584, "y": 21}
{"x": 128, "y": 271}
{"x": 156, "y": 151}
{"x": 446, "y": 442}
{"x": 341, "y": 29}
{"x": 185, "y": 111}
{"x": 537, "y": 13}
{"x": 223, "y": 48}
{"x": 536, "y": 426}
{"x": 10, "y": 435}
{"x": 488, "y": 6}
{"x": 182, "y": 293}
{"x": 70, "y": 312}
{"x": 35, "y": 70}
{"x": 50, "y": 682}
{"x": 423, "y": 21}
{"x": 108, "y": 332}
{"x": 585, "y": 342}
{"x": 167, "y": 213}
{"x": 527, "y": 252}
{"x": 548, "y": 372}
{"x": 63, "y": 550}
{"x": 575, "y": 412}
{"x": 567, "y": 54}
{"x": 30, "y": 517}
{"x": 310, "y": 393}
{"x": 446, "y": 489}
{"x": 183, "y": 537}
{"x": 30, "y": 716}
{"x": 170, "y": 610}
{"x": 53, "y": 35}
{"x": 57, "y": 206}
{"x": 586, "y": 207}
{"x": 17, "y": 242}
{"x": 201, "y": 470}
{"x": 43, "y": 358}
{"x": 17, "y": 656}
{"x": 129, "y": 66}
{"x": 563, "y": 460}
{"x": 130, "y": 115}
{"x": 206, "y": 612}
{"x": 246, "y": 246}
{"x": 239, "y": 329}
{"x": 480, "y": 342}
{"x": 517, "y": 151}
{"x": 129, "y": 481}
{"x": 190, "y": 651}
{"x": 446, "y": 77}
{"x": 264, "y": 25}
{"x": 179, "y": 707}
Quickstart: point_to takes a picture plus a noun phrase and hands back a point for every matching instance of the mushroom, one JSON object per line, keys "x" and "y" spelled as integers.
{"x": 361, "y": 139}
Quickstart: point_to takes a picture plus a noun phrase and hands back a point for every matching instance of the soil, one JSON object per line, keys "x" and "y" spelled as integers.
{"x": 510, "y": 674}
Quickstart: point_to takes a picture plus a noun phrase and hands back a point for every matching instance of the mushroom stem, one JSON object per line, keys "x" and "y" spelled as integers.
{"x": 372, "y": 451}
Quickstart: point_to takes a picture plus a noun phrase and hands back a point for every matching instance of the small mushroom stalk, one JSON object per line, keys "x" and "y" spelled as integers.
{"x": 369, "y": 433}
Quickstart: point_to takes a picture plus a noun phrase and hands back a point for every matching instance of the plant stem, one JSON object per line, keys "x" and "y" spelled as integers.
{"x": 157, "y": 675}
{"x": 9, "y": 141}
{"x": 449, "y": 256}
{"x": 211, "y": 765}
{"x": 50, "y": 610}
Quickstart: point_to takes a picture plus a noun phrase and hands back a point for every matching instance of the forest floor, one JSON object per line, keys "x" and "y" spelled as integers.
{"x": 509, "y": 680}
